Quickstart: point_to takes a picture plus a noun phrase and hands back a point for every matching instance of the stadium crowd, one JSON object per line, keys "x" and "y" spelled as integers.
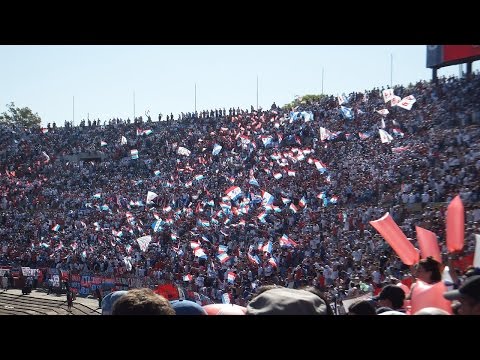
{"x": 240, "y": 199}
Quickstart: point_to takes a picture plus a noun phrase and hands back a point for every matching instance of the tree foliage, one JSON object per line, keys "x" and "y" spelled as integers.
{"x": 23, "y": 117}
{"x": 304, "y": 100}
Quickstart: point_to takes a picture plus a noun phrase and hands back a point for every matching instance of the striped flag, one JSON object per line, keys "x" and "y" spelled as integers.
{"x": 253, "y": 259}
{"x": 233, "y": 192}
{"x": 188, "y": 278}
{"x": 225, "y": 298}
{"x": 223, "y": 257}
{"x": 231, "y": 277}
{"x": 272, "y": 262}
{"x": 302, "y": 202}
{"x": 134, "y": 154}
{"x": 103, "y": 143}
{"x": 253, "y": 181}
{"x": 293, "y": 208}
{"x": 291, "y": 173}
{"x": 222, "y": 249}
{"x": 56, "y": 227}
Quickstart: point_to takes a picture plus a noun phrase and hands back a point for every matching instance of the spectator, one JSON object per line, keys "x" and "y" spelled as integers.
{"x": 142, "y": 302}
{"x": 468, "y": 295}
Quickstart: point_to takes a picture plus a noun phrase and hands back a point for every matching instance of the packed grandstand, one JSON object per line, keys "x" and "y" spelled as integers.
{"x": 220, "y": 202}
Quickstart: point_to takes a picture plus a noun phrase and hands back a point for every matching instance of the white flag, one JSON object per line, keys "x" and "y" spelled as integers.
{"x": 143, "y": 242}
{"x": 387, "y": 95}
{"x": 123, "y": 140}
{"x": 216, "y": 149}
{"x": 383, "y": 112}
{"x": 150, "y": 196}
{"x": 183, "y": 151}
{"x": 407, "y": 102}
{"x": 395, "y": 100}
{"x": 476, "y": 257}
{"x": 385, "y": 137}
{"x": 383, "y": 124}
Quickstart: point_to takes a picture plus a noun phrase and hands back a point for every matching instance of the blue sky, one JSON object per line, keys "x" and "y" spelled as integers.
{"x": 103, "y": 78}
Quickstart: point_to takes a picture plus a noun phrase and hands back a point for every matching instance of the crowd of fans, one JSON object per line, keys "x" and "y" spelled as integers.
{"x": 85, "y": 216}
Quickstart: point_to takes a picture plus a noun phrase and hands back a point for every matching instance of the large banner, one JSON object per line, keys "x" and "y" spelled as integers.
{"x": 446, "y": 55}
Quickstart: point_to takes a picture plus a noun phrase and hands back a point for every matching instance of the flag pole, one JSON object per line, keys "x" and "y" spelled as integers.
{"x": 391, "y": 71}
{"x": 322, "y": 78}
{"x": 195, "y": 97}
{"x": 134, "y": 105}
{"x": 257, "y": 92}
{"x": 73, "y": 117}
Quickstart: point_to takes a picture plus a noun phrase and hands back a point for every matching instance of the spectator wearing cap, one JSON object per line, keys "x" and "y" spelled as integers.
{"x": 109, "y": 300}
{"x": 391, "y": 297}
{"x": 468, "y": 295}
{"x": 142, "y": 301}
{"x": 187, "y": 307}
{"x": 274, "y": 300}
{"x": 362, "y": 307}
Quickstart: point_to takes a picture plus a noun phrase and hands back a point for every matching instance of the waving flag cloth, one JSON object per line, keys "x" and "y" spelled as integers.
{"x": 394, "y": 236}
{"x": 267, "y": 198}
{"x": 222, "y": 249}
{"x": 97, "y": 196}
{"x": 216, "y": 149}
{"x": 233, "y": 192}
{"x": 223, "y": 257}
{"x": 455, "y": 225}
{"x": 123, "y": 140}
{"x": 387, "y": 95}
{"x": 400, "y": 149}
{"x": 272, "y": 262}
{"x": 188, "y": 277}
{"x": 150, "y": 196}
{"x": 225, "y": 298}
{"x": 56, "y": 227}
{"x": 183, "y": 151}
{"x": 363, "y": 135}
{"x": 383, "y": 112}
{"x": 395, "y": 100}
{"x": 231, "y": 277}
{"x": 347, "y": 112}
{"x": 103, "y": 143}
{"x": 476, "y": 257}
{"x": 293, "y": 208}
{"x": 325, "y": 134}
{"x": 200, "y": 253}
{"x": 253, "y": 181}
{"x": 407, "y": 102}
{"x": 267, "y": 247}
{"x": 134, "y": 154}
{"x": 46, "y": 157}
{"x": 385, "y": 137}
{"x": 157, "y": 226}
{"x": 286, "y": 242}
{"x": 427, "y": 240}
{"x": 143, "y": 242}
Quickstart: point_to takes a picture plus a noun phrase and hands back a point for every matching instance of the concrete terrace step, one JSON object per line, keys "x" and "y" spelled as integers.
{"x": 38, "y": 303}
